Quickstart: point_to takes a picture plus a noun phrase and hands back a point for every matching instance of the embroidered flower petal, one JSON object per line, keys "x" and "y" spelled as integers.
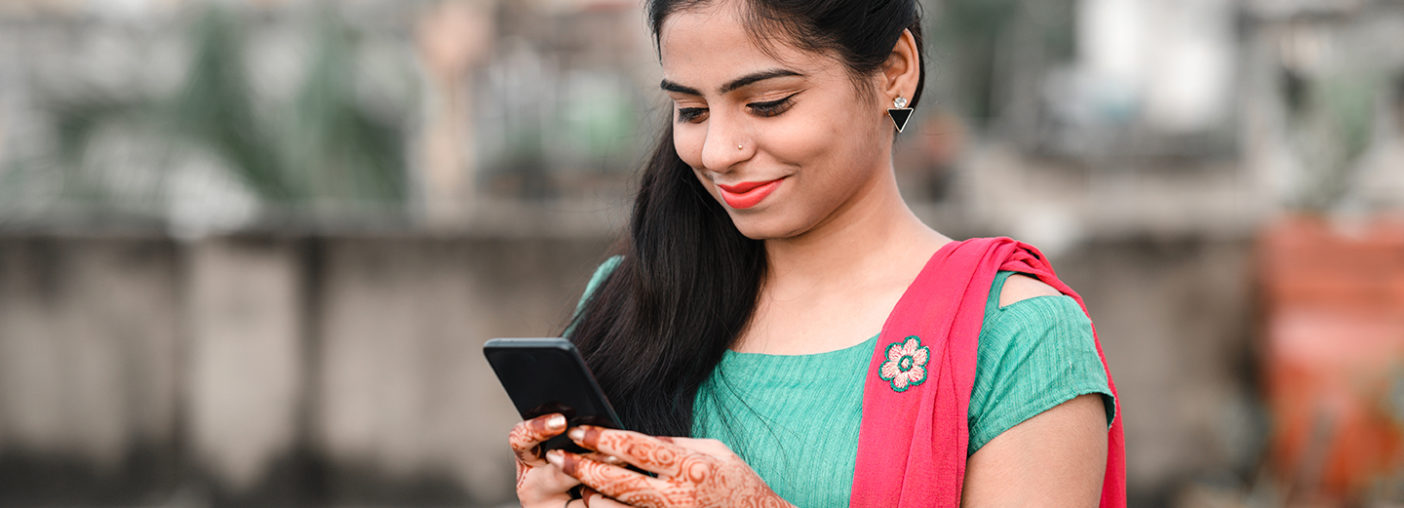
{"x": 915, "y": 376}
{"x": 894, "y": 352}
{"x": 899, "y": 383}
{"x": 888, "y": 371}
{"x": 910, "y": 346}
{"x": 920, "y": 357}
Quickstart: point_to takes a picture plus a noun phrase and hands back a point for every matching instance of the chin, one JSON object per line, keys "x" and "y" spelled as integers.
{"x": 761, "y": 227}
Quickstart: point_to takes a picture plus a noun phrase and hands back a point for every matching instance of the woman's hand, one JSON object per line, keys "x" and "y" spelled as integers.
{"x": 538, "y": 482}
{"x": 691, "y": 472}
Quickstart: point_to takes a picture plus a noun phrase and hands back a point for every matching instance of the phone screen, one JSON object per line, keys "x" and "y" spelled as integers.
{"x": 544, "y": 376}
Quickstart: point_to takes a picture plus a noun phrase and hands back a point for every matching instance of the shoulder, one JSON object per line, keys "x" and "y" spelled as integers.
{"x": 1020, "y": 287}
{"x": 1020, "y": 308}
{"x": 607, "y": 267}
{"x": 1034, "y": 353}
{"x": 601, "y": 274}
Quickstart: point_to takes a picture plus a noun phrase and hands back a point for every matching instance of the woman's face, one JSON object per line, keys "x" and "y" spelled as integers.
{"x": 782, "y": 138}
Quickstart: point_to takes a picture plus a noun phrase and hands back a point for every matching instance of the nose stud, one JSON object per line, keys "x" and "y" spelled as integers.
{"x": 738, "y": 147}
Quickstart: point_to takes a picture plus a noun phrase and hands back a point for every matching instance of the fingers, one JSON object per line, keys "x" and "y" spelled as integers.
{"x": 543, "y": 484}
{"x": 527, "y": 436}
{"x": 607, "y": 459}
{"x": 652, "y": 454}
{"x": 600, "y": 501}
{"x": 613, "y": 481}
{"x": 709, "y": 446}
{"x": 594, "y": 499}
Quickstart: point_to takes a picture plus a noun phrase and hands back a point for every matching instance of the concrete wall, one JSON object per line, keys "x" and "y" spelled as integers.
{"x": 1175, "y": 318}
{"x": 336, "y": 370}
{"x": 266, "y": 370}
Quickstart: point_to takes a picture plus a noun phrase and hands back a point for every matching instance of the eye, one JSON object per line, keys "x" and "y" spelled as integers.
{"x": 691, "y": 115}
{"x": 773, "y": 108}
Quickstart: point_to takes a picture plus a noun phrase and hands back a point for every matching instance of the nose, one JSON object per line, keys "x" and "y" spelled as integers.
{"x": 726, "y": 145}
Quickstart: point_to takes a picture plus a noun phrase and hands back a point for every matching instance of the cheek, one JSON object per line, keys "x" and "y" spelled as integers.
{"x": 836, "y": 130}
{"x": 823, "y": 147}
{"x": 807, "y": 141}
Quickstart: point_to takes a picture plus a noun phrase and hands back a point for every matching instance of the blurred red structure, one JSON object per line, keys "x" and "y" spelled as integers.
{"x": 1333, "y": 299}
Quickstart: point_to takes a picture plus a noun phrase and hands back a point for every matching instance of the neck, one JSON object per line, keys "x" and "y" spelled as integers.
{"x": 870, "y": 234}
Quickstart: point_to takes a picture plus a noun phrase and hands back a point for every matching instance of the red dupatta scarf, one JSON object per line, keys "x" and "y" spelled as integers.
{"x": 913, "y": 437}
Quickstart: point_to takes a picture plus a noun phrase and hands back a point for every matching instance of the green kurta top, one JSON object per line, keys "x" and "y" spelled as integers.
{"x": 795, "y": 418}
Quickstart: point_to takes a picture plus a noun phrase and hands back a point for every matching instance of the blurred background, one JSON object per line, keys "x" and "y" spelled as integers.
{"x": 249, "y": 250}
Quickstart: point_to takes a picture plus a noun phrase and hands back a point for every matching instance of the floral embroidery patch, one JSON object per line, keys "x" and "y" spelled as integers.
{"x": 906, "y": 364}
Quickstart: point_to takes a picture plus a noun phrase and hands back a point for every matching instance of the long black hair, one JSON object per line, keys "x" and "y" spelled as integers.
{"x": 689, "y": 280}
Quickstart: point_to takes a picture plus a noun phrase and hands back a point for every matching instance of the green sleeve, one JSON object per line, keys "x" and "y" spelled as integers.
{"x": 1033, "y": 355}
{"x": 601, "y": 273}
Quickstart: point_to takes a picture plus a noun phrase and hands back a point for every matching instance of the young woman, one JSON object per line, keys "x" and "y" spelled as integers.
{"x": 767, "y": 249}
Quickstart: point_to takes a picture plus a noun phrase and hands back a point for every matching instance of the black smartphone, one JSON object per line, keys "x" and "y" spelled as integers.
{"x": 544, "y": 376}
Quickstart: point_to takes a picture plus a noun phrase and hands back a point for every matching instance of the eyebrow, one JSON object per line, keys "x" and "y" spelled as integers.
{"x": 733, "y": 84}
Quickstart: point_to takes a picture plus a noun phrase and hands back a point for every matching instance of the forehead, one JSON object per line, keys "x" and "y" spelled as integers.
{"x": 708, "y": 44}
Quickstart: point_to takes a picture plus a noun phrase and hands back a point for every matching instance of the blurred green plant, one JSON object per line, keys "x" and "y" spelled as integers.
{"x": 970, "y": 38}
{"x": 323, "y": 151}
{"x": 1330, "y": 120}
{"x": 215, "y": 110}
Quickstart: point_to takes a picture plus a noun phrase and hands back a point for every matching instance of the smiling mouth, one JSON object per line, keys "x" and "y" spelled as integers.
{"x": 747, "y": 194}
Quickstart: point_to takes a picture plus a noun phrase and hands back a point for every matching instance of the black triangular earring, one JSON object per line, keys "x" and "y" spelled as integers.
{"x": 900, "y": 113}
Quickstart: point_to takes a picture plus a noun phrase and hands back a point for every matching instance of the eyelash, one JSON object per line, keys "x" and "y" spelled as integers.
{"x": 772, "y": 108}
{"x": 688, "y": 115}
{"x": 763, "y": 109}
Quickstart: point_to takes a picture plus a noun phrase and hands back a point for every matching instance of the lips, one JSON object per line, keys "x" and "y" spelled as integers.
{"x": 747, "y": 194}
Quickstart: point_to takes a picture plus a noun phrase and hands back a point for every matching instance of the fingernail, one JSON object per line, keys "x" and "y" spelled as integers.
{"x": 577, "y": 433}
{"x": 556, "y": 422}
{"x": 554, "y": 457}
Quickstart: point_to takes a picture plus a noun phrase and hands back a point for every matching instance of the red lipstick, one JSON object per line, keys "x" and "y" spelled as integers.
{"x": 747, "y": 194}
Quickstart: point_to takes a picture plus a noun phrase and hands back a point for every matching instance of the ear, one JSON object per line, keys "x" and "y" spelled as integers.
{"x": 901, "y": 71}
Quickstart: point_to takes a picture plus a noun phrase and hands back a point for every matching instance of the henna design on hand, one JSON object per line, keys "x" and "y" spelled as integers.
{"x": 686, "y": 477}
{"x": 526, "y": 438}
